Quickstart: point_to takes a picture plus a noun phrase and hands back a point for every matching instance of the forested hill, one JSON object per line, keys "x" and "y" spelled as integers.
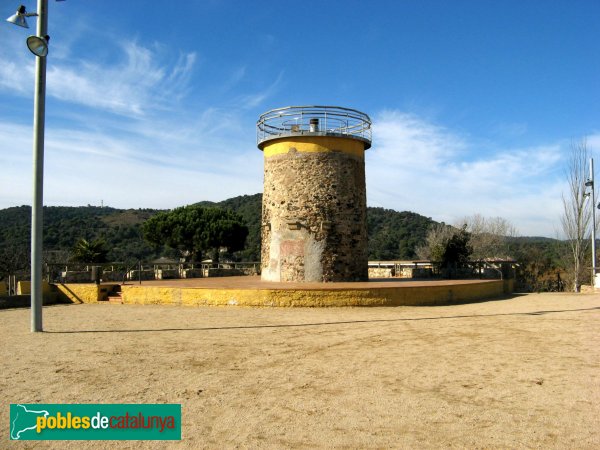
{"x": 64, "y": 226}
{"x": 395, "y": 235}
{"x": 392, "y": 234}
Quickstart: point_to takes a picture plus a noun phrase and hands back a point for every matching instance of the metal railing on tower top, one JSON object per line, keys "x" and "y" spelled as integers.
{"x": 314, "y": 120}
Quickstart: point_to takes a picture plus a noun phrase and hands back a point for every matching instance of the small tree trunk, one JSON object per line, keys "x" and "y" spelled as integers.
{"x": 577, "y": 211}
{"x": 576, "y": 286}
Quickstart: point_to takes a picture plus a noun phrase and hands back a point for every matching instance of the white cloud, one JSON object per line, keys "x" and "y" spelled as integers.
{"x": 139, "y": 82}
{"x": 137, "y": 184}
{"x": 11, "y": 77}
{"x": 414, "y": 165}
{"x": 16, "y": 63}
{"x": 418, "y": 166}
{"x": 166, "y": 160}
{"x": 162, "y": 155}
{"x": 593, "y": 142}
{"x": 413, "y": 140}
{"x": 142, "y": 79}
{"x": 16, "y": 164}
{"x": 85, "y": 167}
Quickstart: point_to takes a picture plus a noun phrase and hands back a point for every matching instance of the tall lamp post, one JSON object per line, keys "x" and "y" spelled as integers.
{"x": 590, "y": 183}
{"x": 38, "y": 45}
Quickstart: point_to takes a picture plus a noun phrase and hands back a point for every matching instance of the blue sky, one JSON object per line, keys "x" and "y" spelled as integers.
{"x": 154, "y": 104}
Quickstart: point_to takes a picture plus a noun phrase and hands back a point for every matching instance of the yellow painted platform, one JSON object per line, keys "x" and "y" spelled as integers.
{"x": 251, "y": 291}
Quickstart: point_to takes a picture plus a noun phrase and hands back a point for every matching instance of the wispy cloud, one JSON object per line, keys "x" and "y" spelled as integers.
{"x": 236, "y": 76}
{"x": 173, "y": 155}
{"x": 87, "y": 166}
{"x": 12, "y": 77}
{"x": 16, "y": 64}
{"x": 413, "y": 140}
{"x": 414, "y": 165}
{"x": 16, "y": 163}
{"x": 422, "y": 167}
{"x": 142, "y": 79}
{"x": 139, "y": 82}
{"x": 256, "y": 99}
{"x": 593, "y": 142}
{"x": 208, "y": 152}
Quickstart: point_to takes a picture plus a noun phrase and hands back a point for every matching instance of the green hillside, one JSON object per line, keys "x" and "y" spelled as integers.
{"x": 395, "y": 235}
{"x": 64, "y": 226}
{"x": 392, "y": 234}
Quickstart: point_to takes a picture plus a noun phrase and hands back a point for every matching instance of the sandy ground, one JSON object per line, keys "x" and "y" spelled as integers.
{"x": 517, "y": 373}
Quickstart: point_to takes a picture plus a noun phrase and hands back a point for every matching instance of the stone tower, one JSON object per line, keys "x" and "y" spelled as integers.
{"x": 314, "y": 197}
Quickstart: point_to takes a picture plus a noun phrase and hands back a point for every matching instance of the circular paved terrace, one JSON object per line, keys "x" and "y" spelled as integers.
{"x": 251, "y": 291}
{"x": 254, "y": 282}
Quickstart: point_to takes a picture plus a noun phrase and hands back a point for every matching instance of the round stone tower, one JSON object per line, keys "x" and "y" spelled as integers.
{"x": 314, "y": 197}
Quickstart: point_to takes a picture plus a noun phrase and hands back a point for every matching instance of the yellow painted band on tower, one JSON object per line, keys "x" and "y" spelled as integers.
{"x": 317, "y": 144}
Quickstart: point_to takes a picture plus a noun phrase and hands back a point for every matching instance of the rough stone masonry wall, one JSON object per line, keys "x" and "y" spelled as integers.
{"x": 324, "y": 194}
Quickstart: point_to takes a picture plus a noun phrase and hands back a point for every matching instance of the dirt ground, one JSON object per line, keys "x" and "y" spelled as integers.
{"x": 516, "y": 373}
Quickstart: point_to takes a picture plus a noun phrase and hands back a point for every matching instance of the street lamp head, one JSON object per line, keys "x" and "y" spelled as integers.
{"x": 589, "y": 183}
{"x": 38, "y": 45}
{"x": 18, "y": 18}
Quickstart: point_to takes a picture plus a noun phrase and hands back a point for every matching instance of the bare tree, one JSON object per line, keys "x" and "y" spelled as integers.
{"x": 490, "y": 237}
{"x": 577, "y": 211}
{"x": 435, "y": 243}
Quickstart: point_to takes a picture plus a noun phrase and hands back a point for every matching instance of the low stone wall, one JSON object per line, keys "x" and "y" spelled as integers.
{"x": 135, "y": 275}
{"x": 403, "y": 272}
{"x": 166, "y": 274}
{"x": 113, "y": 275}
{"x": 80, "y": 276}
{"x": 191, "y": 273}
{"x": 411, "y": 272}
{"x": 250, "y": 271}
{"x": 225, "y": 272}
{"x": 381, "y": 272}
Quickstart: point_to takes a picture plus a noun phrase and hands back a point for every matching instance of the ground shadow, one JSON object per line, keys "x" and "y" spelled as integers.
{"x": 319, "y": 324}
